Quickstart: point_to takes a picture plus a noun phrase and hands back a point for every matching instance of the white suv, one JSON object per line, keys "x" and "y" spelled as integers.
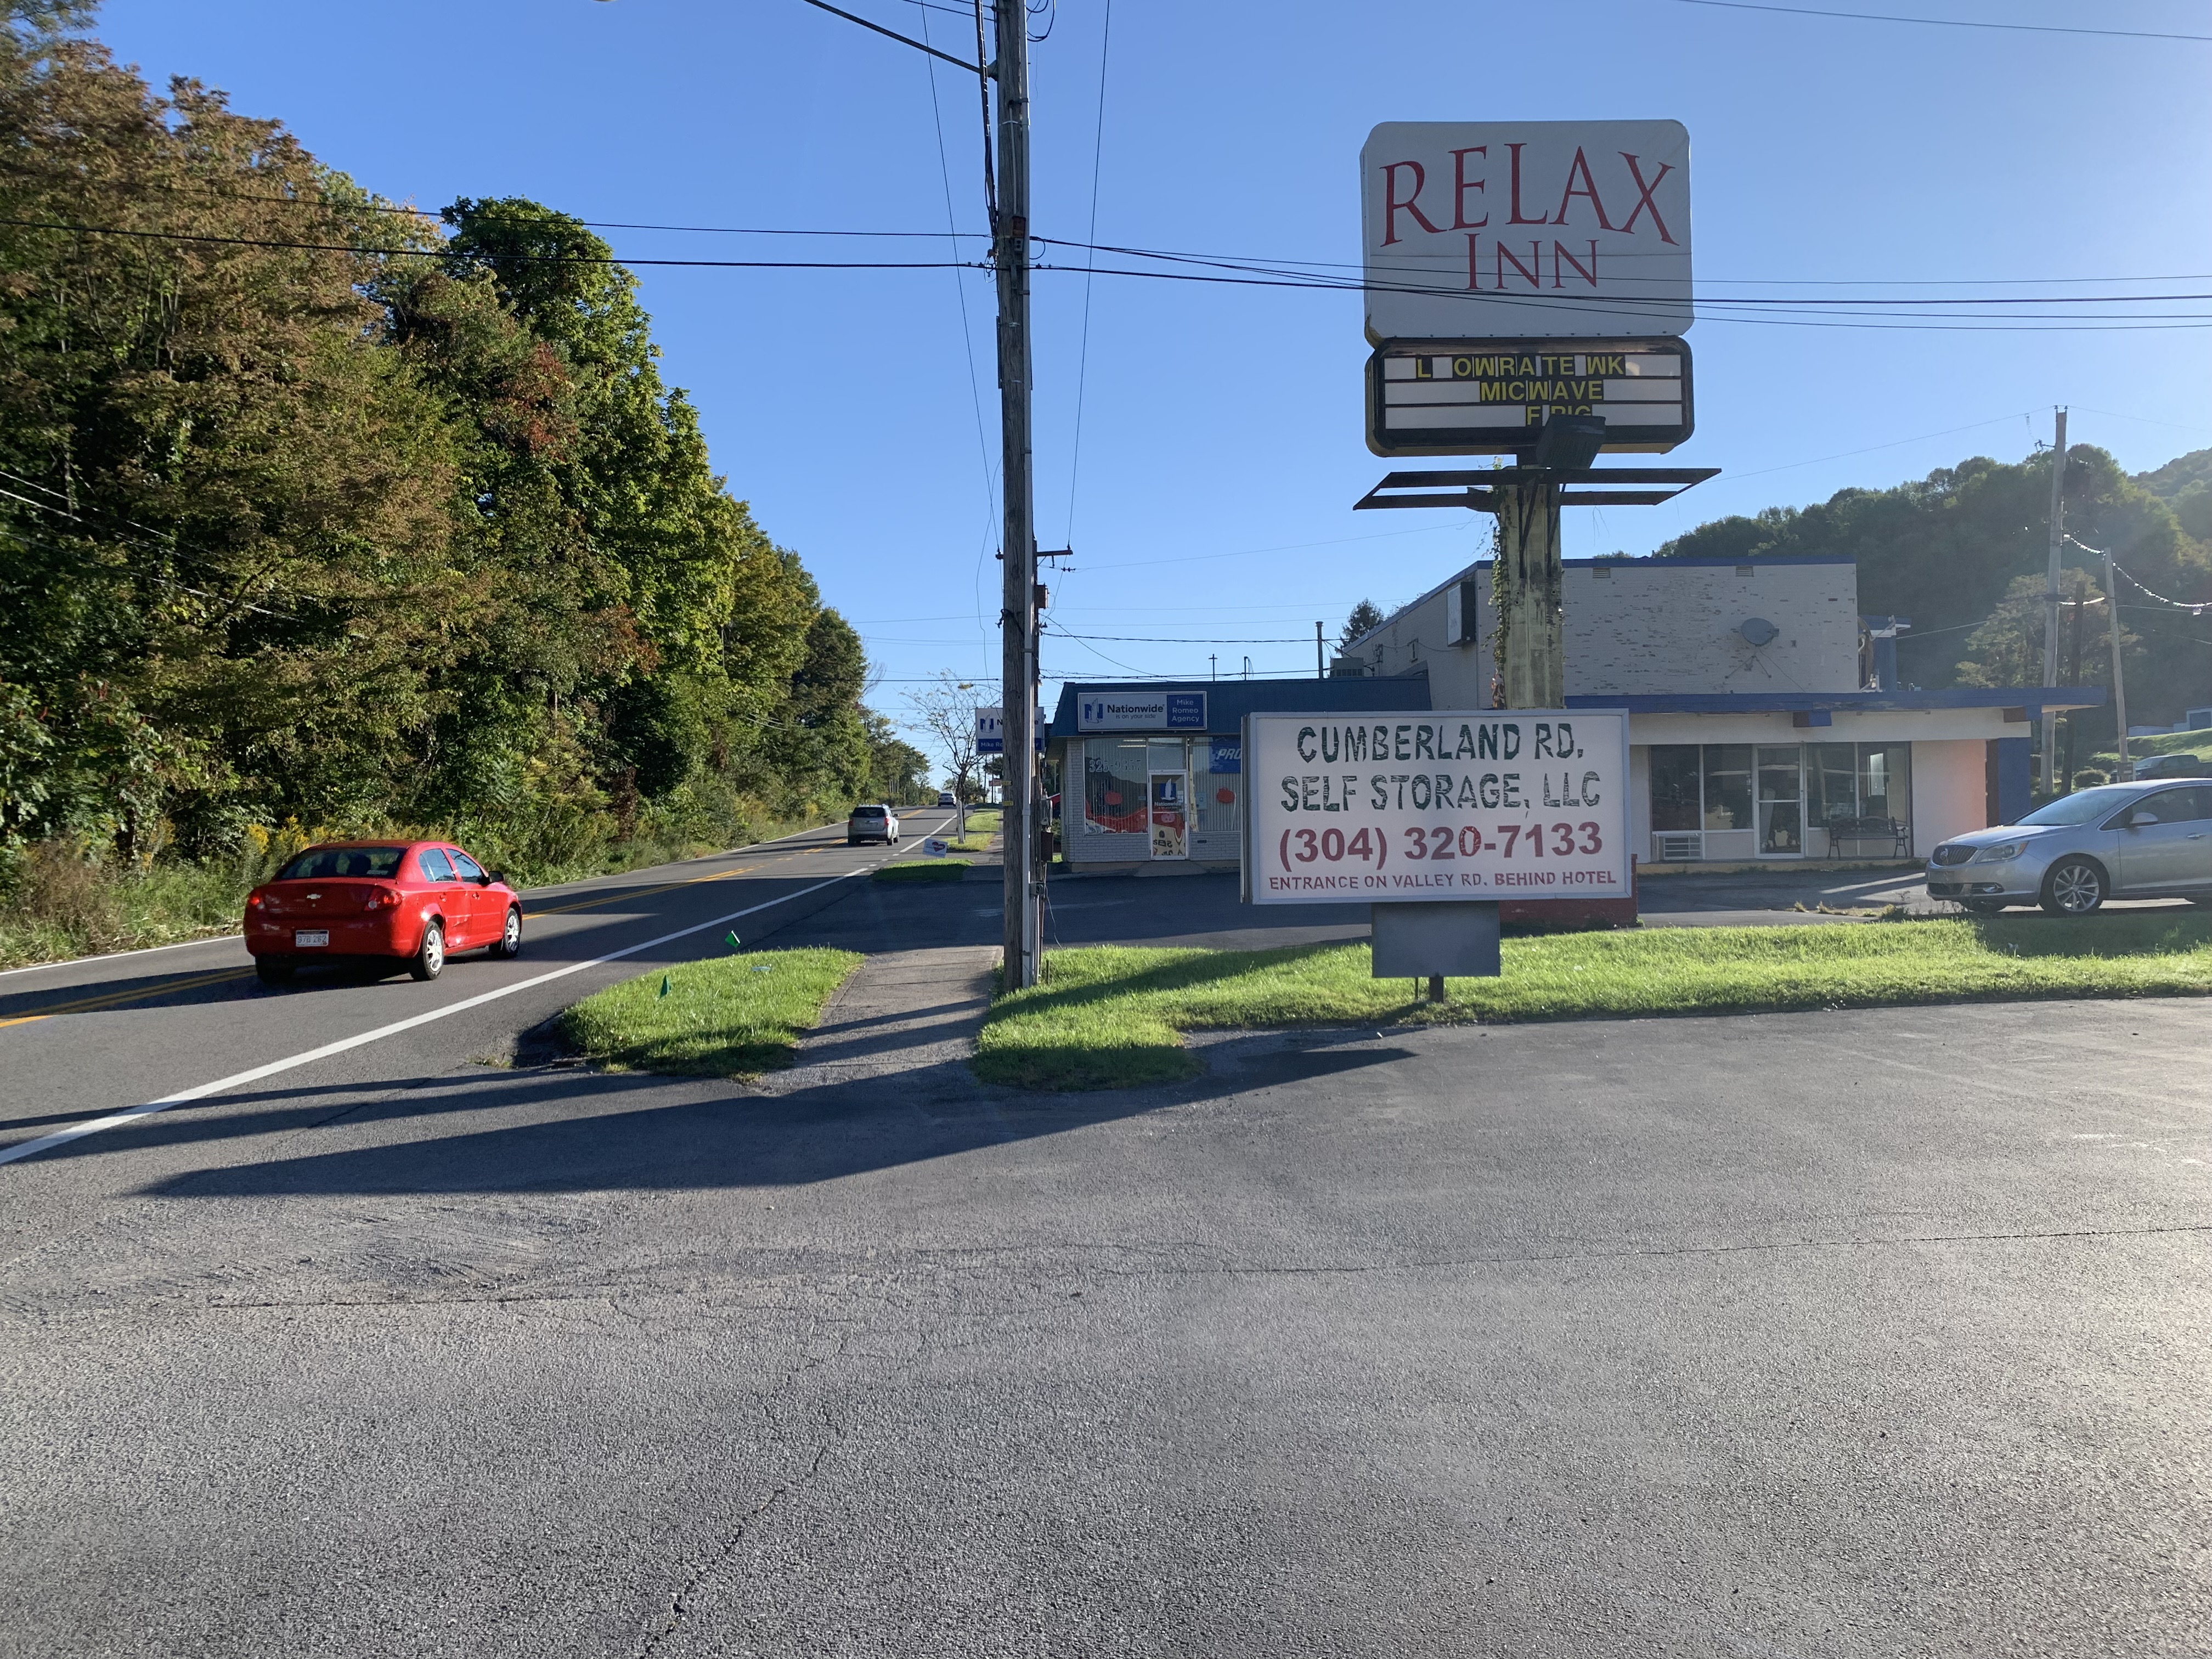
{"x": 871, "y": 823}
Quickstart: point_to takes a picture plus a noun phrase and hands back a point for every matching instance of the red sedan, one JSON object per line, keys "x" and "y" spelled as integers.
{"x": 412, "y": 901}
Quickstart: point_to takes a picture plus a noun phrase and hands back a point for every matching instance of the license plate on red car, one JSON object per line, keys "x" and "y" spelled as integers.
{"x": 303, "y": 938}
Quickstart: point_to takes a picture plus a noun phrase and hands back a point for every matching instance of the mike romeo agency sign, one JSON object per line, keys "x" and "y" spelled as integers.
{"x": 1490, "y": 803}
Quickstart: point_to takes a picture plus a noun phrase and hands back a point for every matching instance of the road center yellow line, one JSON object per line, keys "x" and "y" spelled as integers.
{"x": 115, "y": 999}
{"x": 642, "y": 892}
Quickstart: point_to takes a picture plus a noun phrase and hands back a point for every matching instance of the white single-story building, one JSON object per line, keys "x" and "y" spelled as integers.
{"x": 1765, "y": 720}
{"x": 1154, "y": 771}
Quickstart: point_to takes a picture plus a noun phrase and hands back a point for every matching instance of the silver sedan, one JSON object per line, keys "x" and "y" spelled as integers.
{"x": 2121, "y": 841}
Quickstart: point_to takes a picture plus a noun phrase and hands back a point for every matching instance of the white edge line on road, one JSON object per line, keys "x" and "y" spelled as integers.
{"x": 63, "y": 1137}
{"x": 557, "y": 888}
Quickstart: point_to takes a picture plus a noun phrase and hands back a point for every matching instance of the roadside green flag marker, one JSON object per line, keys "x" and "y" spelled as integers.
{"x": 664, "y": 985}
{"x": 732, "y": 939}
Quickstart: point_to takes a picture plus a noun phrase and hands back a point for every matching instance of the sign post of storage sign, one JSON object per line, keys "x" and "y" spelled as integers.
{"x": 1450, "y": 809}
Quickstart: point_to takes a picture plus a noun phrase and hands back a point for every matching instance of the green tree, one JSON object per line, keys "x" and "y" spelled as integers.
{"x": 1947, "y": 551}
{"x": 1366, "y": 617}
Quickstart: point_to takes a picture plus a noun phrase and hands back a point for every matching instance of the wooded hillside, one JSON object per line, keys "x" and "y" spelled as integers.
{"x": 1962, "y": 553}
{"x": 316, "y": 510}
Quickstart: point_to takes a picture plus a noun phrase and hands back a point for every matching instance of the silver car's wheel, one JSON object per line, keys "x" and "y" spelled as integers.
{"x": 2075, "y": 887}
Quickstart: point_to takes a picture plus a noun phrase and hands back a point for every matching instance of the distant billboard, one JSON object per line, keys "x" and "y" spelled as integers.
{"x": 991, "y": 731}
{"x": 1518, "y": 229}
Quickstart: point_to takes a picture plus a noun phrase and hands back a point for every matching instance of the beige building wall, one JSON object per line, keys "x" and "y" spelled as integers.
{"x": 1655, "y": 626}
{"x": 1950, "y": 790}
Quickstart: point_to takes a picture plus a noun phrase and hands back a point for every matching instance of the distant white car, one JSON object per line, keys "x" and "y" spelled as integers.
{"x": 871, "y": 823}
{"x": 945, "y": 799}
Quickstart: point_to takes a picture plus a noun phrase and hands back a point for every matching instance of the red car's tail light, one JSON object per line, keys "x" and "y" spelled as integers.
{"x": 254, "y": 900}
{"x": 381, "y": 898}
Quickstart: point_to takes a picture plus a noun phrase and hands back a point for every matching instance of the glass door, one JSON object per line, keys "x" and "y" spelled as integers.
{"x": 1171, "y": 816}
{"x": 1781, "y": 801}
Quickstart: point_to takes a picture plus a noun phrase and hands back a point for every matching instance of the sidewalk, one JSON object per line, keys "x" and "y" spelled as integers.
{"x": 903, "y": 1013}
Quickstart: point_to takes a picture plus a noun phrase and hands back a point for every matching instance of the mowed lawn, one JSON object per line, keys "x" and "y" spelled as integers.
{"x": 733, "y": 1015}
{"x": 1108, "y": 1017}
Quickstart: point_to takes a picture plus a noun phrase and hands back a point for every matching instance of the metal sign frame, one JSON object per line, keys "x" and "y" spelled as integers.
{"x": 1553, "y": 377}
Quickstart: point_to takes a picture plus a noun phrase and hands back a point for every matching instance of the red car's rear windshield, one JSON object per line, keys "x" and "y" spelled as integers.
{"x": 322, "y": 863}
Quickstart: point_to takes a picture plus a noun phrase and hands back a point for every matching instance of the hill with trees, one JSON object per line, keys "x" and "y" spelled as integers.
{"x": 319, "y": 512}
{"x": 1963, "y": 553}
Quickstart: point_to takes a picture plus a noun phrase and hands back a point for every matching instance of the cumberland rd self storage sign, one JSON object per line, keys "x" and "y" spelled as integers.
{"x": 1490, "y": 803}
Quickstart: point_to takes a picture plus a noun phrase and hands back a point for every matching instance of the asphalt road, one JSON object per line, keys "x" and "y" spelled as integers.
{"x": 1868, "y": 1333}
{"x": 81, "y": 1041}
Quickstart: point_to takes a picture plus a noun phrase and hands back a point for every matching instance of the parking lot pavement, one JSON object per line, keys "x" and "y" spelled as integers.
{"x": 1854, "y": 1334}
{"x": 1768, "y": 896}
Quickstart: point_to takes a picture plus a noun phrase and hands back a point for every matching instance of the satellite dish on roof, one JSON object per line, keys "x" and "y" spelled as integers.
{"x": 1757, "y": 630}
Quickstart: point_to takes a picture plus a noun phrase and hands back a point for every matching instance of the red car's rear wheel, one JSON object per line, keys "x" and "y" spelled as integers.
{"x": 429, "y": 958}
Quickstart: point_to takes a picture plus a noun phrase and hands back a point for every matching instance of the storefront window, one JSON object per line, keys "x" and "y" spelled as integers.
{"x": 1831, "y": 780}
{"x": 1781, "y": 798}
{"x": 1713, "y": 786}
{"x": 1675, "y": 786}
{"x": 1216, "y": 787}
{"x": 1115, "y": 787}
{"x": 1886, "y": 781}
{"x": 1727, "y": 786}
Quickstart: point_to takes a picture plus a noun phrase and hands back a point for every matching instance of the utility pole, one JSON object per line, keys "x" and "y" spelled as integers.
{"x": 2050, "y": 599}
{"x": 1017, "y": 615}
{"x": 2073, "y": 677}
{"x": 2119, "y": 685}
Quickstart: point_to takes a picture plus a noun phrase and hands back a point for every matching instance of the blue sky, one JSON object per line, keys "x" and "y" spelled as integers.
{"x": 1221, "y": 450}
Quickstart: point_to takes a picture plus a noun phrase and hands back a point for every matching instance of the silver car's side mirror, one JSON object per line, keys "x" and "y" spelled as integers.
{"x": 2140, "y": 819}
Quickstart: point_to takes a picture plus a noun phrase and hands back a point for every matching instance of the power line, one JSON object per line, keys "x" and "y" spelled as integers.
{"x": 1152, "y": 639}
{"x": 1870, "y": 449}
{"x": 1715, "y": 310}
{"x": 1083, "y": 354}
{"x": 1941, "y": 22}
{"x": 518, "y": 258}
{"x": 960, "y": 295}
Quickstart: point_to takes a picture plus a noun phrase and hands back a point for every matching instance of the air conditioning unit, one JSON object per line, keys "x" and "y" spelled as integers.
{"x": 1686, "y": 848}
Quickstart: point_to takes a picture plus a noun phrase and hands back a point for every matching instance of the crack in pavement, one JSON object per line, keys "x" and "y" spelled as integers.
{"x": 679, "y": 1603}
{"x": 702, "y": 1294}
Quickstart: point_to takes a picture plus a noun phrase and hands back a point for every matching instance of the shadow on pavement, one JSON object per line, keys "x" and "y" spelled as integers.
{"x": 596, "y": 1132}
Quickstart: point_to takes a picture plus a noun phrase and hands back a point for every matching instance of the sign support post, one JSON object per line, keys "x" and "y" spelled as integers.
{"x": 2052, "y": 597}
{"x": 1017, "y": 620}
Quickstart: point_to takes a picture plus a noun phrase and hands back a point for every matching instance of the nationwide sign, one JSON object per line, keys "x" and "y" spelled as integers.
{"x": 1489, "y": 804}
{"x": 1140, "y": 711}
{"x": 1484, "y": 397}
{"x": 1514, "y": 229}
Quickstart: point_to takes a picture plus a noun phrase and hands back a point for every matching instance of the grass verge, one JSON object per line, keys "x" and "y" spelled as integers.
{"x": 1110, "y": 1017}
{"x": 923, "y": 870}
{"x": 732, "y": 1015}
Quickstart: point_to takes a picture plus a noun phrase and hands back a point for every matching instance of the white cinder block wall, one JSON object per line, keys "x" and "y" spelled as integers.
{"x": 1657, "y": 626}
